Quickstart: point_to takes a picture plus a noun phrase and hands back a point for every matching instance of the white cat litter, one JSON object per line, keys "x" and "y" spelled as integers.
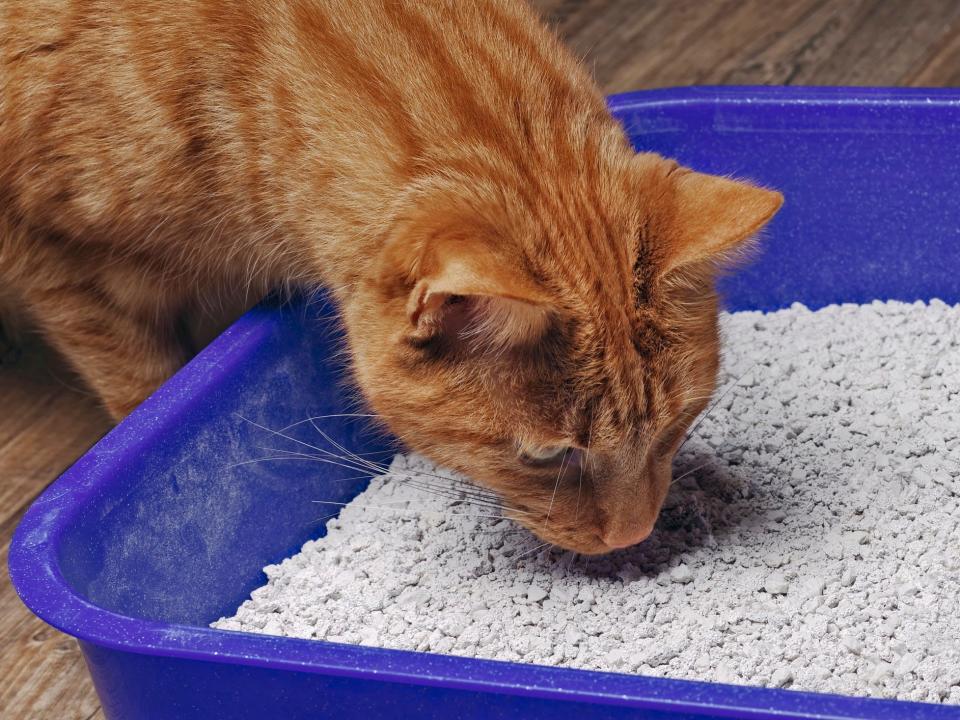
{"x": 819, "y": 548}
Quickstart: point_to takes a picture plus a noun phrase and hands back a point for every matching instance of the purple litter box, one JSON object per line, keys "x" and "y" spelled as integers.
{"x": 123, "y": 551}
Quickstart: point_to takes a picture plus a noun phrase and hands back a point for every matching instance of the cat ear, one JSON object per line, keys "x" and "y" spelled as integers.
{"x": 466, "y": 292}
{"x": 714, "y": 217}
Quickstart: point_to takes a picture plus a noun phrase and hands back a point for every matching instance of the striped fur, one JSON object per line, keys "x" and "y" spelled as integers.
{"x": 509, "y": 273}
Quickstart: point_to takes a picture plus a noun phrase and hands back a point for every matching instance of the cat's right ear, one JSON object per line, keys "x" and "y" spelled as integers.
{"x": 715, "y": 218}
{"x": 465, "y": 295}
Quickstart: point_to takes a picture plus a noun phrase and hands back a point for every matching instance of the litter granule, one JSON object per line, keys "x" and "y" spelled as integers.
{"x": 818, "y": 548}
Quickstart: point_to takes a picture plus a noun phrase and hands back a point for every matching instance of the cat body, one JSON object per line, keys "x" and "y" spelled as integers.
{"x": 524, "y": 297}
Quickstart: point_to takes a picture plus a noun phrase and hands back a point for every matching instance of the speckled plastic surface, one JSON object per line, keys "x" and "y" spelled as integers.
{"x": 123, "y": 550}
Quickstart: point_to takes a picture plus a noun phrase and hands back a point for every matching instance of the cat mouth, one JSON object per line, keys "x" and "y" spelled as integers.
{"x": 584, "y": 543}
{"x": 627, "y": 540}
{"x": 587, "y": 542}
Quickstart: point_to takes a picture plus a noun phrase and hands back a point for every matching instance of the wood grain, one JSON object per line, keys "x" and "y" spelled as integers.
{"x": 45, "y": 424}
{"x": 46, "y": 420}
{"x": 660, "y": 43}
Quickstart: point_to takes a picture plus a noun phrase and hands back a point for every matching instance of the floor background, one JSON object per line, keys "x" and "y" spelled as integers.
{"x": 47, "y": 419}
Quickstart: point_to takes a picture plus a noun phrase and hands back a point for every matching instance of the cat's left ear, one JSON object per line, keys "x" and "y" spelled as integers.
{"x": 466, "y": 293}
{"x": 714, "y": 218}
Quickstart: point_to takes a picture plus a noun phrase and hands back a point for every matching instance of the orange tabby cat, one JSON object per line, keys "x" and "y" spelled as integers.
{"x": 526, "y": 300}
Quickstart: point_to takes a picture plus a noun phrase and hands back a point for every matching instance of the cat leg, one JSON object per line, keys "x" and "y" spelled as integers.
{"x": 11, "y": 319}
{"x": 11, "y": 332}
{"x": 112, "y": 318}
{"x": 10, "y": 348}
{"x": 123, "y": 354}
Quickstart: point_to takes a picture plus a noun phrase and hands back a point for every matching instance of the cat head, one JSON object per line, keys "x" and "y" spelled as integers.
{"x": 555, "y": 341}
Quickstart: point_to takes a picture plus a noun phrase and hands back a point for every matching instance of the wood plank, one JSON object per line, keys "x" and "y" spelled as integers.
{"x": 942, "y": 67}
{"x": 43, "y": 672}
{"x": 885, "y": 43}
{"x": 47, "y": 421}
{"x": 50, "y": 422}
{"x": 661, "y": 43}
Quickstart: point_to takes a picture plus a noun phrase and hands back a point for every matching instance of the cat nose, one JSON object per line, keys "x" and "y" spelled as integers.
{"x": 616, "y": 538}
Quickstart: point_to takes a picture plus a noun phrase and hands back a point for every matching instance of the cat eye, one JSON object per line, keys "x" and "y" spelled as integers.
{"x": 543, "y": 455}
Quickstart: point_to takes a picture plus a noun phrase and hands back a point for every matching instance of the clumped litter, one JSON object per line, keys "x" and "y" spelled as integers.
{"x": 817, "y": 549}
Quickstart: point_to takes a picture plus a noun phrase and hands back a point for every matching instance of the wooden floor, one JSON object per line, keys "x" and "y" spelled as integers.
{"x": 640, "y": 44}
{"x": 46, "y": 420}
{"x": 44, "y": 424}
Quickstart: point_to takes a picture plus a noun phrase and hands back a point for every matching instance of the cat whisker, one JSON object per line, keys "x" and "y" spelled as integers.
{"x": 713, "y": 405}
{"x": 441, "y": 481}
{"x": 476, "y": 502}
{"x": 281, "y": 458}
{"x": 329, "y": 460}
{"x": 301, "y": 453}
{"x": 688, "y": 473}
{"x": 341, "y": 448}
{"x": 468, "y": 485}
{"x": 454, "y": 496}
{"x": 487, "y": 531}
{"x": 437, "y": 481}
{"x": 327, "y": 455}
{"x": 454, "y": 492}
{"x": 383, "y": 468}
{"x": 282, "y": 435}
{"x": 583, "y": 461}
{"x": 532, "y": 551}
{"x": 450, "y": 493}
{"x": 380, "y": 467}
{"x": 414, "y": 510}
{"x": 321, "y": 519}
{"x": 472, "y": 495}
{"x": 697, "y": 398}
{"x": 556, "y": 486}
{"x": 503, "y": 531}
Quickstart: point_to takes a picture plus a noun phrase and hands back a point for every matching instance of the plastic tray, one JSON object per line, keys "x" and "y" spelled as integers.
{"x": 128, "y": 551}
